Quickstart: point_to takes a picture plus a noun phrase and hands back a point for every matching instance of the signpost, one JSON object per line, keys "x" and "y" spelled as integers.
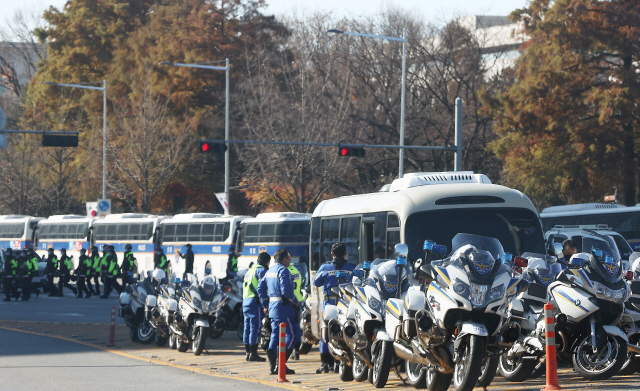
{"x": 104, "y": 207}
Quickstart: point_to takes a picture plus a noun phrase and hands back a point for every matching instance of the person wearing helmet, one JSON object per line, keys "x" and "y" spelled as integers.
{"x": 104, "y": 264}
{"x": 95, "y": 261}
{"x": 128, "y": 265}
{"x": 111, "y": 274}
{"x": 232, "y": 263}
{"x": 251, "y": 306}
{"x": 10, "y": 273}
{"x": 32, "y": 260}
{"x": 52, "y": 271}
{"x": 326, "y": 278}
{"x": 160, "y": 261}
{"x": 82, "y": 271}
{"x": 296, "y": 276}
{"x": 275, "y": 290}
{"x": 157, "y": 277}
{"x": 188, "y": 259}
{"x": 66, "y": 265}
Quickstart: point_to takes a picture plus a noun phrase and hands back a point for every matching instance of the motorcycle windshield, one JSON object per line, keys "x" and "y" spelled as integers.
{"x": 384, "y": 276}
{"x": 605, "y": 257}
{"x": 492, "y": 245}
{"x": 479, "y": 253}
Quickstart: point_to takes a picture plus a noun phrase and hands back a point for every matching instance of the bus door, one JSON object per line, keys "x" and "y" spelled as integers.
{"x": 368, "y": 242}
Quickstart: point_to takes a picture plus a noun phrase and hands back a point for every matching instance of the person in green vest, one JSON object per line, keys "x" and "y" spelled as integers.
{"x": 251, "y": 308}
{"x": 160, "y": 261}
{"x": 52, "y": 271}
{"x": 31, "y": 261}
{"x": 297, "y": 290}
{"x": 232, "y": 263}
{"x": 96, "y": 260}
{"x": 112, "y": 273}
{"x": 66, "y": 265}
{"x": 10, "y": 273}
{"x": 104, "y": 264}
{"x": 128, "y": 265}
{"x": 82, "y": 272}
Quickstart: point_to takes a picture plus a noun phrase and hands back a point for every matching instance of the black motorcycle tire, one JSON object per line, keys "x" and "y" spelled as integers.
{"x": 181, "y": 345}
{"x": 305, "y": 348}
{"x": 146, "y": 335}
{"x": 437, "y": 381}
{"x": 161, "y": 341}
{"x": 199, "y": 339}
{"x": 416, "y": 375}
{"x": 488, "y": 372}
{"x": 540, "y": 369}
{"x": 382, "y": 365}
{"x": 620, "y": 359}
{"x": 216, "y": 333}
{"x": 173, "y": 339}
{"x": 518, "y": 372}
{"x": 360, "y": 370}
{"x": 631, "y": 366}
{"x": 133, "y": 334}
{"x": 476, "y": 350}
{"x": 345, "y": 372}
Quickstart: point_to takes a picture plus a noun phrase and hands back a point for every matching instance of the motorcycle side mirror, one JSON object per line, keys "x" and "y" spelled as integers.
{"x": 557, "y": 248}
{"x": 523, "y": 286}
{"x": 402, "y": 250}
{"x": 336, "y": 291}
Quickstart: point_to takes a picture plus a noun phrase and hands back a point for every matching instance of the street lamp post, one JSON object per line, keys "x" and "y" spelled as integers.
{"x": 226, "y": 113}
{"x": 104, "y": 123}
{"x": 404, "y": 72}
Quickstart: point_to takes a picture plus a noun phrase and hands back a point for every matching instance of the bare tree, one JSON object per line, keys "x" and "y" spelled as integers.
{"x": 147, "y": 147}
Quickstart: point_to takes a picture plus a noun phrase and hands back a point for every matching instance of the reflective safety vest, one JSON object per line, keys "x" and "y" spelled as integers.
{"x": 96, "y": 262}
{"x": 32, "y": 264}
{"x": 162, "y": 264}
{"x": 297, "y": 282}
{"x": 54, "y": 261}
{"x": 104, "y": 262}
{"x": 128, "y": 257}
{"x": 13, "y": 266}
{"x": 113, "y": 265}
{"x": 234, "y": 263}
{"x": 251, "y": 280}
{"x": 88, "y": 263}
{"x": 68, "y": 263}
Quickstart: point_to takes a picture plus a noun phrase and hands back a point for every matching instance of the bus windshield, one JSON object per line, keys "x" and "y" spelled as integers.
{"x": 518, "y": 230}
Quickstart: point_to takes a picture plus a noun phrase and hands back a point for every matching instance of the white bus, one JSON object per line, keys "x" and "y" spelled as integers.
{"x": 210, "y": 236}
{"x": 138, "y": 230}
{"x": 71, "y": 232}
{"x": 17, "y": 231}
{"x": 273, "y": 231}
{"x": 417, "y": 207}
{"x": 619, "y": 218}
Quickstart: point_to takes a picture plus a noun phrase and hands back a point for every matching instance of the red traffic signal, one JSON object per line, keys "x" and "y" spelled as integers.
{"x": 350, "y": 151}
{"x": 209, "y": 147}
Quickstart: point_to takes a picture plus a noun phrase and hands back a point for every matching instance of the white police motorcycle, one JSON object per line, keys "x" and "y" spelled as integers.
{"x": 160, "y": 310}
{"x": 198, "y": 314}
{"x": 630, "y": 320}
{"x": 591, "y": 293}
{"x": 133, "y": 305}
{"x": 463, "y": 328}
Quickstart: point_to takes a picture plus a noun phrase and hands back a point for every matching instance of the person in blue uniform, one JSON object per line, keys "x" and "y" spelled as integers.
{"x": 326, "y": 278}
{"x": 251, "y": 308}
{"x": 280, "y": 304}
{"x": 569, "y": 247}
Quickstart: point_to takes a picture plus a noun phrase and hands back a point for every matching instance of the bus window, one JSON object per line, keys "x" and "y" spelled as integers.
{"x": 123, "y": 232}
{"x": 252, "y": 233}
{"x": 181, "y": 232}
{"x": 63, "y": 229}
{"x": 219, "y": 233}
{"x": 194, "y": 232}
{"x": 169, "y": 233}
{"x": 146, "y": 231}
{"x": 393, "y": 221}
{"x": 226, "y": 231}
{"x": 315, "y": 243}
{"x": 330, "y": 235}
{"x": 350, "y": 236}
{"x": 267, "y": 233}
{"x": 380, "y": 232}
{"x": 207, "y": 232}
{"x": 101, "y": 232}
{"x": 134, "y": 232}
{"x": 393, "y": 238}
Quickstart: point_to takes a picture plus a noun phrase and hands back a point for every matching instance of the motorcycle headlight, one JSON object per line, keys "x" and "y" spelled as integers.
{"x": 497, "y": 293}
{"x": 478, "y": 294}
{"x": 602, "y": 292}
{"x": 375, "y": 304}
{"x": 618, "y": 295}
{"x": 461, "y": 288}
{"x": 440, "y": 281}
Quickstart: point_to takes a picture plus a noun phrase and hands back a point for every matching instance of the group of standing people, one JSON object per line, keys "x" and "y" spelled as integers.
{"x": 19, "y": 270}
{"x": 276, "y": 292}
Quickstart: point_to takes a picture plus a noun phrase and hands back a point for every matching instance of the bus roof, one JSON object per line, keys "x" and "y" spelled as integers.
{"x": 128, "y": 217}
{"x": 202, "y": 217}
{"x": 19, "y": 217}
{"x": 586, "y": 209}
{"x": 420, "y": 198}
{"x": 278, "y": 217}
{"x": 57, "y": 218}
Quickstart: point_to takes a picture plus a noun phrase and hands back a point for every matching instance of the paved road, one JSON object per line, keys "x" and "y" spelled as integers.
{"x": 60, "y": 309}
{"x": 29, "y": 362}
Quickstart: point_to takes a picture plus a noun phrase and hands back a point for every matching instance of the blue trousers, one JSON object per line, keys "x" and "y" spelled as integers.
{"x": 252, "y": 322}
{"x": 282, "y": 315}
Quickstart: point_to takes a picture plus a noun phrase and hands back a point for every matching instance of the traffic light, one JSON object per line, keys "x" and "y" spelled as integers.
{"x": 350, "y": 151}
{"x": 209, "y": 147}
{"x": 52, "y": 140}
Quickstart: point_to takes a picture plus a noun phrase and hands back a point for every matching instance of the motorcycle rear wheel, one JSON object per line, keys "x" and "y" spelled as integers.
{"x": 437, "y": 381}
{"x": 488, "y": 372}
{"x": 172, "y": 341}
{"x": 199, "y": 339}
{"x": 517, "y": 370}
{"x": 360, "y": 369}
{"x": 146, "y": 333}
{"x": 416, "y": 375}
{"x": 345, "y": 372}
{"x": 601, "y": 365}
{"x": 181, "y": 345}
{"x": 468, "y": 369}
{"x": 382, "y": 365}
{"x": 216, "y": 333}
{"x": 161, "y": 341}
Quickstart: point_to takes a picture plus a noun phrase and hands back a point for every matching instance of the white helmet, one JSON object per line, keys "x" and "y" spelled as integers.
{"x": 158, "y": 275}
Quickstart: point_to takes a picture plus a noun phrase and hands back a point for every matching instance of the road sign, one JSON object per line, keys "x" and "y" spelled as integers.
{"x": 92, "y": 209}
{"x": 104, "y": 207}
{"x": 610, "y": 198}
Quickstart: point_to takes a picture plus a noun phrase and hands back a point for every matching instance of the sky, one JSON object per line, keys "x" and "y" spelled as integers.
{"x": 431, "y": 10}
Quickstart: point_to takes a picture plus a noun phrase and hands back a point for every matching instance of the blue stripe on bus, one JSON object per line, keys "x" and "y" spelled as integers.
{"x": 15, "y": 244}
{"x": 71, "y": 245}
{"x": 198, "y": 249}
{"x": 295, "y": 250}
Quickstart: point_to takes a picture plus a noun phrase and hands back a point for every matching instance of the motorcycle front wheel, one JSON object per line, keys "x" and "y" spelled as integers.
{"x": 173, "y": 341}
{"x": 146, "y": 333}
{"x": 437, "y": 381}
{"x": 199, "y": 339}
{"x": 181, "y": 345}
{"x": 416, "y": 375}
{"x": 517, "y": 369}
{"x": 161, "y": 341}
{"x": 360, "y": 369}
{"x": 601, "y": 365}
{"x": 488, "y": 372}
{"x": 382, "y": 364}
{"x": 468, "y": 369}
